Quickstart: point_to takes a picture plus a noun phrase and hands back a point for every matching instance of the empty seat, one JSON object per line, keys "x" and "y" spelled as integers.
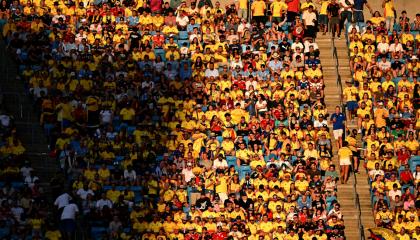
{"x": 183, "y": 35}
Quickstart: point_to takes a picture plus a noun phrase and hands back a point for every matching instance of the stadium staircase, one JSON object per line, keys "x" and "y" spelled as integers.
{"x": 21, "y": 106}
{"x": 336, "y": 69}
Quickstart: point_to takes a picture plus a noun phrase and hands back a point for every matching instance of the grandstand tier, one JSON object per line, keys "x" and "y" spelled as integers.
{"x": 185, "y": 120}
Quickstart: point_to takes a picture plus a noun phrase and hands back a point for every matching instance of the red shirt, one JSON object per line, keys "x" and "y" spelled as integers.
{"x": 403, "y": 157}
{"x": 405, "y": 176}
{"x": 219, "y": 236}
{"x": 293, "y": 6}
{"x": 192, "y": 236}
{"x": 158, "y": 40}
{"x": 156, "y": 5}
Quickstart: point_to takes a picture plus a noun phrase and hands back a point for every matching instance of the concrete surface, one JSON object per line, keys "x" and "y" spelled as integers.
{"x": 411, "y": 6}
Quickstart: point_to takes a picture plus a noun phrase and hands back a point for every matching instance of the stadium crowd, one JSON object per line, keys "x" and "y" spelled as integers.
{"x": 383, "y": 100}
{"x": 185, "y": 120}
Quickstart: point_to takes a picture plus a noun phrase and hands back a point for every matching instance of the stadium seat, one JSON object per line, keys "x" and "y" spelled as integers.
{"x": 183, "y": 35}
{"x": 243, "y": 170}
{"x": 231, "y": 160}
{"x": 181, "y": 43}
{"x": 160, "y": 52}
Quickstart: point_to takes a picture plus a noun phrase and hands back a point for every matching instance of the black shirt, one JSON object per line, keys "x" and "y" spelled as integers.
{"x": 333, "y": 9}
{"x": 135, "y": 40}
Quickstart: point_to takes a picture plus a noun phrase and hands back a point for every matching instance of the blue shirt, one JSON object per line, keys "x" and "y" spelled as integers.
{"x": 339, "y": 120}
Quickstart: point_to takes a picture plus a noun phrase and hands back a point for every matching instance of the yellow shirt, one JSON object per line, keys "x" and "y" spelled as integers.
{"x": 127, "y": 114}
{"x": 243, "y": 4}
{"x": 278, "y": 7}
{"x": 221, "y": 187}
{"x": 258, "y": 8}
{"x": 53, "y": 235}
{"x": 389, "y": 9}
{"x": 344, "y": 152}
{"x": 324, "y": 6}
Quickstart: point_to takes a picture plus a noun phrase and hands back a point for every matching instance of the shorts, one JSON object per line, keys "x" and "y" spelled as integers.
{"x": 345, "y": 162}
{"x": 352, "y": 105}
{"x": 278, "y": 19}
{"x": 334, "y": 20}
{"x": 337, "y": 133}
{"x": 323, "y": 19}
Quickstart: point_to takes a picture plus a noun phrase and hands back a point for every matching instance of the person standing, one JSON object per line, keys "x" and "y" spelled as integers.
{"x": 258, "y": 11}
{"x": 338, "y": 120}
{"x": 242, "y": 7}
{"x": 278, "y": 8}
{"x": 346, "y": 13}
{"x": 292, "y": 10}
{"x": 333, "y": 11}
{"x": 389, "y": 13}
{"x": 68, "y": 220}
{"x": 358, "y": 10}
{"x": 344, "y": 157}
{"x": 62, "y": 201}
{"x": 323, "y": 16}
{"x": 309, "y": 19}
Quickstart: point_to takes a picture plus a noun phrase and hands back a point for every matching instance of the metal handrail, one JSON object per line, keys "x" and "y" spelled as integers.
{"x": 356, "y": 195}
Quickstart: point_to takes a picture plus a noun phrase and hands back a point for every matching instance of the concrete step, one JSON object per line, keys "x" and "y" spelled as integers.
{"x": 26, "y": 120}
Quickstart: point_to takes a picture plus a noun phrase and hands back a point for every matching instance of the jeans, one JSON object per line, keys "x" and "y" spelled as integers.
{"x": 358, "y": 16}
{"x": 345, "y": 15}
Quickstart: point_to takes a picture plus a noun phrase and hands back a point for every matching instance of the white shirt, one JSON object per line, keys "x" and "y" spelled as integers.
{"x": 261, "y": 106}
{"x": 350, "y": 28}
{"x": 343, "y": 4}
{"x": 26, "y": 171}
{"x": 383, "y": 47}
{"x": 182, "y": 21}
{"x": 252, "y": 83}
{"x": 393, "y": 193}
{"x": 396, "y": 47}
{"x": 82, "y": 193}
{"x": 131, "y": 175}
{"x": 242, "y": 27}
{"x": 319, "y": 124}
{"x": 308, "y": 18}
{"x": 30, "y": 180}
{"x": 295, "y": 44}
{"x": 308, "y": 44}
{"x": 69, "y": 211}
{"x": 62, "y": 200}
{"x": 211, "y": 73}
{"x": 106, "y": 116}
{"x": 220, "y": 164}
{"x": 233, "y": 64}
{"x": 384, "y": 65}
{"x": 101, "y": 203}
{"x": 17, "y": 213}
{"x": 338, "y": 213}
{"x": 375, "y": 172}
{"x": 188, "y": 174}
